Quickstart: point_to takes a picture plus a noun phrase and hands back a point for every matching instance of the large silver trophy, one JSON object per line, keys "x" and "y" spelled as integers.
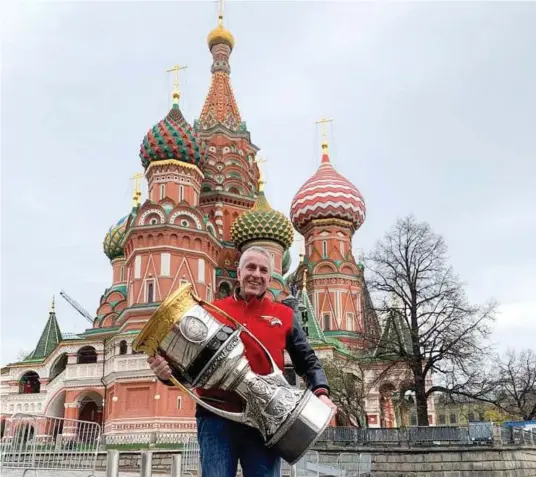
{"x": 210, "y": 354}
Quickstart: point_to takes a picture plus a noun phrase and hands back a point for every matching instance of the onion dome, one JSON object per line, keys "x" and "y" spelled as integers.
{"x": 113, "y": 242}
{"x": 327, "y": 195}
{"x": 172, "y": 138}
{"x": 220, "y": 35}
{"x": 262, "y": 223}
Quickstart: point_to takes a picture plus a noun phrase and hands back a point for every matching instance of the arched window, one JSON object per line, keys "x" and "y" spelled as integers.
{"x": 86, "y": 355}
{"x": 123, "y": 347}
{"x": 150, "y": 291}
{"x": 326, "y": 321}
{"x": 29, "y": 383}
{"x": 58, "y": 367}
{"x": 225, "y": 289}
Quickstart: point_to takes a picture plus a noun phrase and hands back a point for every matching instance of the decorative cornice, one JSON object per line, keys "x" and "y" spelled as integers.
{"x": 173, "y": 162}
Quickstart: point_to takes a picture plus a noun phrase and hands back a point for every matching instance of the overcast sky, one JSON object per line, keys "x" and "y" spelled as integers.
{"x": 434, "y": 108}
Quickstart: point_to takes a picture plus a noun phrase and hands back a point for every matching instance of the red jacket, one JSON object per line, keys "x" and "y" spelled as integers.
{"x": 271, "y": 323}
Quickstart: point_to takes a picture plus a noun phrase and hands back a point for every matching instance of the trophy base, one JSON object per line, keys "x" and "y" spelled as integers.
{"x": 301, "y": 429}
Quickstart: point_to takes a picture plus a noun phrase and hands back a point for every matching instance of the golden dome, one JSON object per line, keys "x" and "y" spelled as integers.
{"x": 220, "y": 35}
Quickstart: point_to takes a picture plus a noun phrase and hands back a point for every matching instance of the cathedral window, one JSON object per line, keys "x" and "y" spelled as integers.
{"x": 324, "y": 248}
{"x": 349, "y": 322}
{"x": 137, "y": 266}
{"x": 149, "y": 291}
{"x": 162, "y": 191}
{"x": 343, "y": 250}
{"x": 209, "y": 294}
{"x": 179, "y": 402}
{"x": 29, "y": 383}
{"x": 327, "y": 319}
{"x": 181, "y": 193}
{"x": 165, "y": 264}
{"x": 201, "y": 270}
{"x": 225, "y": 289}
{"x": 122, "y": 347}
{"x": 86, "y": 355}
{"x": 122, "y": 273}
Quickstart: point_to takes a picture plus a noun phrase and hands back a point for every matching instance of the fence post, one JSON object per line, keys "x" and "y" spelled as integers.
{"x": 112, "y": 463}
{"x": 146, "y": 464}
{"x": 176, "y": 463}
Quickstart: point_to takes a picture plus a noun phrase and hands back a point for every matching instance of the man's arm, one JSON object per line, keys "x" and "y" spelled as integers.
{"x": 304, "y": 359}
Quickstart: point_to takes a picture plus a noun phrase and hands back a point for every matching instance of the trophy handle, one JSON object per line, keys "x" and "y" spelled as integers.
{"x": 233, "y": 416}
{"x": 210, "y": 306}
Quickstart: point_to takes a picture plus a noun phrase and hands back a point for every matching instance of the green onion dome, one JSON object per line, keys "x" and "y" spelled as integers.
{"x": 113, "y": 242}
{"x": 172, "y": 138}
{"x": 262, "y": 223}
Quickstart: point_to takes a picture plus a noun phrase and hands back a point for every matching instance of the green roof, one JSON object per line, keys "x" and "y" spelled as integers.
{"x": 315, "y": 332}
{"x": 396, "y": 337}
{"x": 50, "y": 337}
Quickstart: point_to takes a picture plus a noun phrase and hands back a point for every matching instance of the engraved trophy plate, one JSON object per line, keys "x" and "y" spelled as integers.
{"x": 210, "y": 354}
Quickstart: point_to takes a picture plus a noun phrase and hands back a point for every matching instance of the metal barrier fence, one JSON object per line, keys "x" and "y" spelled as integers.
{"x": 49, "y": 443}
{"x": 474, "y": 433}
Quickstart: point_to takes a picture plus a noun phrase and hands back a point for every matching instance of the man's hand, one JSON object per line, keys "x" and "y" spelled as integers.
{"x": 160, "y": 367}
{"x": 329, "y": 402}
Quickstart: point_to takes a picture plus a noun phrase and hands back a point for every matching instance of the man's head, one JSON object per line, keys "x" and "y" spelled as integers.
{"x": 254, "y": 271}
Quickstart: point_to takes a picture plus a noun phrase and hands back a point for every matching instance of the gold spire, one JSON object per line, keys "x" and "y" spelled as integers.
{"x": 137, "y": 188}
{"x": 324, "y": 122}
{"x": 220, "y": 34}
{"x": 304, "y": 279}
{"x": 262, "y": 182}
{"x": 176, "y": 92}
{"x": 220, "y": 13}
{"x": 53, "y": 306}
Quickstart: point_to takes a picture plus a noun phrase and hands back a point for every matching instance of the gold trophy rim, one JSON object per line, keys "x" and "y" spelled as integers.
{"x": 171, "y": 311}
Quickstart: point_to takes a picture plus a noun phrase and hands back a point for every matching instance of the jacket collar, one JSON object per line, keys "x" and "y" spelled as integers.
{"x": 238, "y": 297}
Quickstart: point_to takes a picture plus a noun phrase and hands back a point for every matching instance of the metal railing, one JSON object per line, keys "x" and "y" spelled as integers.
{"x": 49, "y": 443}
{"x": 477, "y": 433}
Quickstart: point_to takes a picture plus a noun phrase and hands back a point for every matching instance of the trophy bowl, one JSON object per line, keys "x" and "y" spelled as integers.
{"x": 208, "y": 353}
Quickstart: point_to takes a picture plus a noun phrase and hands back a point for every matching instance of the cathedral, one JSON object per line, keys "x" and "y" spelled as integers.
{"x": 206, "y": 204}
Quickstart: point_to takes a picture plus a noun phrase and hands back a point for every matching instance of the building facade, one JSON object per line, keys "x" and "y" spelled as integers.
{"x": 205, "y": 206}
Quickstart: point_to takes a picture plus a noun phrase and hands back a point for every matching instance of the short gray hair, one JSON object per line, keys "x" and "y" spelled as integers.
{"x": 262, "y": 251}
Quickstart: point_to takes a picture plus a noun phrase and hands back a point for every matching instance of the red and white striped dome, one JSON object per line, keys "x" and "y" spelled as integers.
{"x": 327, "y": 195}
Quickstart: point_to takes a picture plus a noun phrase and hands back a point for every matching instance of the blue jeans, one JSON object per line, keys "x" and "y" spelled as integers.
{"x": 223, "y": 443}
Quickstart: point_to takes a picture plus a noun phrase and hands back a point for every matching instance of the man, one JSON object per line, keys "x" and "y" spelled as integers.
{"x": 223, "y": 443}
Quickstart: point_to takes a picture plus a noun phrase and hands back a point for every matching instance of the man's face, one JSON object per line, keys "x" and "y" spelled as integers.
{"x": 254, "y": 276}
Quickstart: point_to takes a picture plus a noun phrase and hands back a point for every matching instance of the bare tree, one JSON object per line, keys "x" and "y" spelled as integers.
{"x": 515, "y": 380}
{"x": 432, "y": 327}
{"x": 347, "y": 390}
{"x": 22, "y": 355}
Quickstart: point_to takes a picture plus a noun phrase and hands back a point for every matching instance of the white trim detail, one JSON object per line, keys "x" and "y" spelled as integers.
{"x": 187, "y": 214}
{"x": 152, "y": 211}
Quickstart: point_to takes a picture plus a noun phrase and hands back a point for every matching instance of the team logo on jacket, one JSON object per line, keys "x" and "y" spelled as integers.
{"x": 272, "y": 320}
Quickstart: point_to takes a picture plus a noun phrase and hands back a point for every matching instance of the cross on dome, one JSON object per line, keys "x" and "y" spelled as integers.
{"x": 176, "y": 92}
